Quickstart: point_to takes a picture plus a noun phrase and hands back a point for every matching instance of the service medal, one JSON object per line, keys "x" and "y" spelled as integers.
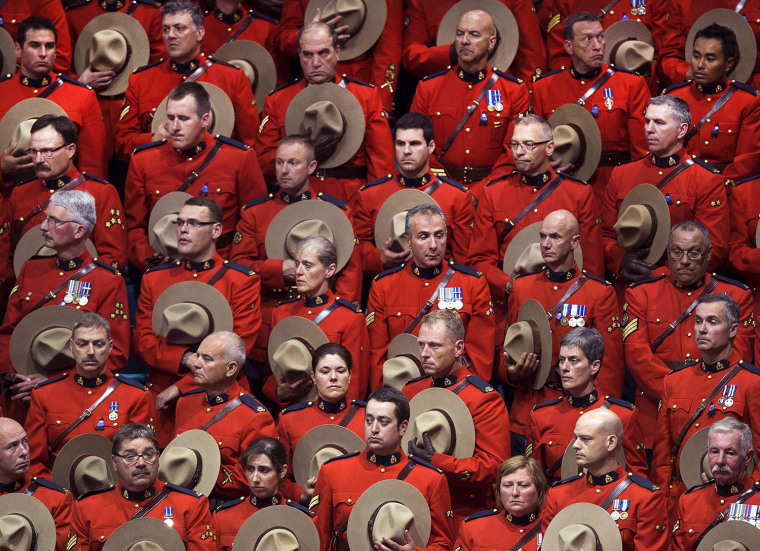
{"x": 615, "y": 515}
{"x": 68, "y": 299}
{"x": 721, "y": 400}
{"x": 729, "y": 402}
{"x": 563, "y": 322}
{"x": 113, "y": 416}
{"x": 623, "y": 515}
{"x": 581, "y": 322}
{"x": 499, "y": 107}
{"x": 572, "y": 322}
{"x": 491, "y": 108}
{"x": 83, "y": 301}
{"x": 642, "y": 10}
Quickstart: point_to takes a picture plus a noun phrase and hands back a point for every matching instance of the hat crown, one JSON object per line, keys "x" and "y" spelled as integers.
{"x": 322, "y": 118}
{"x": 90, "y": 473}
{"x": 16, "y": 533}
{"x": 391, "y": 520}
{"x": 185, "y": 323}
{"x": 278, "y": 539}
{"x": 398, "y": 371}
{"x": 567, "y": 143}
{"x": 145, "y": 545}
{"x": 22, "y": 136}
{"x": 247, "y": 68}
{"x": 352, "y": 13}
{"x": 292, "y": 361}
{"x": 634, "y": 226}
{"x": 323, "y": 454}
{"x": 180, "y": 466}
{"x": 50, "y": 349}
{"x": 439, "y": 427}
{"x": 398, "y": 230}
{"x": 304, "y": 229}
{"x": 577, "y": 537}
{"x": 165, "y": 232}
{"x": 521, "y": 337}
{"x": 634, "y": 55}
{"x": 729, "y": 545}
{"x": 109, "y": 51}
{"x": 531, "y": 258}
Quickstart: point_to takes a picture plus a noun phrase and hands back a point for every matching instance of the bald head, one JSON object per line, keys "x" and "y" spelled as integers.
{"x": 480, "y": 18}
{"x": 559, "y": 236}
{"x": 9, "y": 425}
{"x": 598, "y": 436}
{"x": 606, "y": 421}
{"x": 475, "y": 39}
{"x": 14, "y": 451}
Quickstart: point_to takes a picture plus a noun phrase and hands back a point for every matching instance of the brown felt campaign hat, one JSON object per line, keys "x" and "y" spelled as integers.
{"x": 629, "y": 45}
{"x": 257, "y": 64}
{"x": 40, "y": 342}
{"x": 7, "y": 53}
{"x": 192, "y": 460}
{"x": 582, "y": 526}
{"x": 317, "y": 110}
{"x": 503, "y": 18}
{"x": 222, "y": 119}
{"x": 525, "y": 250}
{"x": 25, "y": 524}
{"x": 187, "y": 312}
{"x": 644, "y": 220}
{"x": 365, "y": 20}
{"x": 320, "y": 444}
{"x": 693, "y": 461}
{"x": 277, "y": 529}
{"x": 16, "y": 124}
{"x": 570, "y": 466}
{"x": 744, "y": 36}
{"x": 531, "y": 333}
{"x": 731, "y": 535}
{"x": 32, "y": 243}
{"x": 297, "y": 221}
{"x": 84, "y": 464}
{"x": 387, "y": 509}
{"x": 446, "y": 418}
{"x": 144, "y": 534}
{"x": 577, "y": 139}
{"x": 391, "y": 218}
{"x": 112, "y": 42}
{"x": 403, "y": 363}
{"x": 162, "y": 230}
{"x": 290, "y": 347}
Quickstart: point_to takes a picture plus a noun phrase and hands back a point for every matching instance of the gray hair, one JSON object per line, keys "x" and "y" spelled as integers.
{"x": 173, "y": 7}
{"x": 678, "y": 108}
{"x": 588, "y": 340}
{"x": 423, "y": 210}
{"x": 321, "y": 246}
{"x": 530, "y": 119}
{"x": 691, "y": 226}
{"x": 234, "y": 347}
{"x": 733, "y": 313}
{"x": 91, "y": 319}
{"x": 132, "y": 431}
{"x": 731, "y": 424}
{"x": 80, "y": 206}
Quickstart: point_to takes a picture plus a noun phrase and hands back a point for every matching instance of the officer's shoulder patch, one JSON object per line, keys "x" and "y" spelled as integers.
{"x": 131, "y": 382}
{"x": 148, "y": 66}
{"x": 229, "y": 141}
{"x": 348, "y": 304}
{"x": 566, "y": 176}
{"x": 239, "y": 268}
{"x": 546, "y": 403}
{"x": 265, "y": 17}
{"x": 66, "y": 78}
{"x": 745, "y": 88}
{"x": 480, "y": 384}
{"x": 420, "y": 378}
{"x": 51, "y": 381}
{"x": 704, "y": 164}
{"x": 507, "y": 76}
{"x": 378, "y": 181}
{"x": 94, "y": 178}
{"x": 684, "y": 365}
{"x": 49, "y": 484}
{"x": 94, "y": 492}
{"x": 338, "y": 458}
{"x": 300, "y": 507}
{"x": 291, "y": 83}
{"x": 288, "y": 300}
{"x": 619, "y": 402}
{"x": 502, "y": 177}
{"x": 297, "y": 407}
{"x": 481, "y": 514}
{"x": 148, "y": 145}
{"x": 424, "y": 463}
{"x": 699, "y": 486}
{"x": 106, "y": 266}
{"x": 643, "y": 482}
{"x": 359, "y": 403}
{"x": 453, "y": 183}
{"x": 389, "y": 271}
{"x": 194, "y": 391}
{"x": 6, "y": 77}
{"x": 600, "y": 280}
{"x": 550, "y": 73}
{"x": 166, "y": 266}
{"x": 566, "y": 480}
{"x": 357, "y": 81}
{"x": 645, "y": 281}
{"x": 746, "y": 180}
{"x": 229, "y": 504}
{"x": 221, "y": 62}
{"x": 334, "y": 200}
{"x": 465, "y": 269}
{"x": 437, "y": 74}
{"x": 730, "y": 281}
{"x": 749, "y": 367}
{"x": 675, "y": 86}
{"x": 259, "y": 201}
{"x": 252, "y": 403}
{"x": 183, "y": 490}
{"x": 633, "y": 160}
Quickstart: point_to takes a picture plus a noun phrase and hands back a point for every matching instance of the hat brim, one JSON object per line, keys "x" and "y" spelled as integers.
{"x": 581, "y": 120}
{"x": 32, "y": 243}
{"x": 532, "y": 310}
{"x": 383, "y": 492}
{"x": 84, "y": 444}
{"x": 442, "y": 399}
{"x": 404, "y": 344}
{"x": 349, "y": 107}
{"x": 524, "y": 239}
{"x": 623, "y": 31}
{"x": 264, "y": 520}
{"x": 275, "y": 241}
{"x": 208, "y": 450}
{"x": 584, "y": 513}
{"x": 399, "y": 201}
{"x": 169, "y": 205}
{"x": 36, "y": 512}
{"x": 570, "y": 466}
{"x": 744, "y": 37}
{"x": 195, "y": 292}
{"x": 259, "y": 58}
{"x": 221, "y": 105}
{"x": 691, "y": 456}
{"x": 7, "y": 53}
{"x": 30, "y": 327}
{"x": 293, "y": 326}
{"x": 320, "y": 437}
{"x": 144, "y": 529}
{"x": 32, "y": 108}
{"x": 503, "y": 18}
{"x": 732, "y": 530}
{"x": 135, "y": 36}
{"x": 374, "y": 23}
{"x": 647, "y": 194}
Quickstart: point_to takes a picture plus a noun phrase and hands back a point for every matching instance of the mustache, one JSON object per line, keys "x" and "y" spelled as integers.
{"x": 720, "y": 469}
{"x": 141, "y": 470}
{"x": 38, "y": 166}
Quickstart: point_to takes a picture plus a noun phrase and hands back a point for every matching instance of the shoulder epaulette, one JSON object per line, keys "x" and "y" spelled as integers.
{"x": 334, "y": 200}
{"x": 106, "y": 266}
{"x": 465, "y": 269}
{"x": 300, "y": 507}
{"x": 698, "y": 486}
{"x": 49, "y": 484}
{"x": 360, "y": 403}
{"x": 549, "y": 73}
{"x": 546, "y": 403}
{"x": 481, "y": 514}
{"x": 507, "y": 76}
{"x": 480, "y": 384}
{"x": 344, "y": 456}
{"x": 357, "y": 81}
{"x": 148, "y": 145}
{"x": 194, "y": 391}
{"x": 265, "y": 17}
{"x": 730, "y": 281}
{"x": 502, "y": 177}
{"x": 619, "y": 402}
{"x": 650, "y": 280}
{"x": 380, "y": 180}
{"x": 230, "y": 503}
{"x": 633, "y": 160}
{"x": 348, "y": 304}
{"x": 424, "y": 463}
{"x": 566, "y": 480}
{"x": 704, "y": 164}
{"x": 643, "y": 482}
{"x": 452, "y": 183}
{"x": 66, "y": 78}
{"x": 5, "y": 77}
{"x": 51, "y": 381}
{"x": 151, "y": 3}
{"x": 745, "y": 87}
{"x": 148, "y": 66}
{"x": 183, "y": 490}
{"x": 525, "y": 274}
{"x": 297, "y": 407}
{"x": 421, "y": 377}
{"x": 88, "y": 176}
{"x": 750, "y": 179}
{"x": 258, "y": 201}
{"x": 292, "y": 82}
{"x": 252, "y": 403}
{"x": 389, "y": 272}
{"x": 234, "y": 143}
{"x": 288, "y": 300}
{"x": 93, "y": 492}
{"x": 684, "y": 365}
{"x": 566, "y": 176}
{"x": 131, "y": 382}
{"x": 749, "y": 367}
{"x": 437, "y": 74}
{"x": 172, "y": 264}
{"x": 76, "y": 4}
{"x": 675, "y": 86}
{"x": 622, "y": 70}
{"x": 600, "y": 280}
{"x": 239, "y": 268}
{"x": 221, "y": 62}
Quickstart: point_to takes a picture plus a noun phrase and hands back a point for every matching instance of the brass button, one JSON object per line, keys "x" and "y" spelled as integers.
{"x": 208, "y": 410}
{"x": 696, "y": 425}
{"x": 466, "y": 151}
{"x": 580, "y": 412}
{"x": 89, "y": 393}
{"x": 688, "y": 294}
{"x": 60, "y": 274}
{"x": 382, "y": 469}
{"x": 195, "y": 275}
{"x": 349, "y": 500}
{"x": 689, "y": 356}
{"x": 556, "y": 288}
{"x": 598, "y": 491}
{"x": 550, "y": 442}
{"x": 308, "y": 312}
{"x": 674, "y": 406}
{"x": 722, "y": 501}
{"x": 427, "y": 284}
{"x": 137, "y": 505}
{"x": 535, "y": 210}
{"x": 466, "y": 129}
{"x": 688, "y": 334}
{"x": 58, "y": 422}
{"x": 332, "y": 417}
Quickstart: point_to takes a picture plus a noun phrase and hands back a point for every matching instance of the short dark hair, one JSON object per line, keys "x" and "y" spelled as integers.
{"x": 588, "y": 340}
{"x": 331, "y": 348}
{"x": 215, "y": 211}
{"x": 132, "y": 431}
{"x": 300, "y": 139}
{"x": 317, "y": 25}
{"x": 397, "y": 398}
{"x": 34, "y": 23}
{"x": 414, "y": 121}
{"x": 727, "y": 39}
{"x": 194, "y": 90}
{"x": 691, "y": 226}
{"x": 266, "y": 445}
{"x": 572, "y": 19}
{"x": 184, "y": 6}
{"x": 63, "y": 125}
{"x": 733, "y": 313}
{"x": 91, "y": 319}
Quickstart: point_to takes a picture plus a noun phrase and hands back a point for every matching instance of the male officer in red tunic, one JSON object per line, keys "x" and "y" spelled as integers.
{"x": 743, "y": 254}
{"x": 15, "y": 13}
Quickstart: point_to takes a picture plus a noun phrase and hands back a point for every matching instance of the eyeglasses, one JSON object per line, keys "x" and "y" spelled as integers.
{"x": 46, "y": 153}
{"x": 193, "y": 224}
{"x": 527, "y": 146}
{"x": 677, "y": 254}
{"x": 54, "y": 222}
{"x": 131, "y": 458}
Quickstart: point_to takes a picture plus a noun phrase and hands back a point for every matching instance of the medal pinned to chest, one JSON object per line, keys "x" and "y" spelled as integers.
{"x": 572, "y": 315}
{"x": 620, "y": 509}
{"x": 494, "y": 101}
{"x": 729, "y": 391}
{"x": 78, "y": 292}
{"x": 450, "y": 298}
{"x": 608, "y": 99}
{"x": 113, "y": 409}
{"x": 638, "y": 7}
{"x": 169, "y": 515}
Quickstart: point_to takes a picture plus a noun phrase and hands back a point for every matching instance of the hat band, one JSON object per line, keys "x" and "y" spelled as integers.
{"x": 34, "y": 532}
{"x": 198, "y": 467}
{"x": 73, "y": 469}
{"x": 413, "y": 358}
{"x": 270, "y": 529}
{"x": 126, "y": 61}
{"x": 304, "y": 342}
{"x": 582, "y": 139}
{"x": 536, "y": 337}
{"x": 373, "y": 517}
{"x": 450, "y": 421}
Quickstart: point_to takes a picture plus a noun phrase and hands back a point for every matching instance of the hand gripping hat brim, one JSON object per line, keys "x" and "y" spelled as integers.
{"x": 533, "y": 314}
{"x": 32, "y": 108}
{"x": 370, "y": 29}
{"x": 583, "y": 126}
{"x": 333, "y": 438}
{"x": 744, "y": 36}
{"x": 400, "y": 201}
{"x": 223, "y": 113}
